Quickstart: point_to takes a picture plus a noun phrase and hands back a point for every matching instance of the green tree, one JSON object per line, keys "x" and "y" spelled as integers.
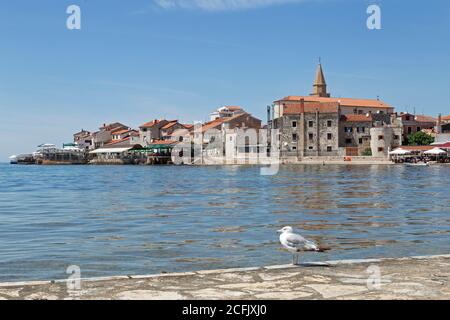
{"x": 419, "y": 139}
{"x": 367, "y": 153}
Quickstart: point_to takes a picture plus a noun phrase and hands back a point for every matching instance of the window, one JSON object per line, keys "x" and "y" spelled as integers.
{"x": 329, "y": 136}
{"x": 348, "y": 129}
{"x": 360, "y": 140}
{"x": 329, "y": 123}
{"x": 407, "y": 118}
{"x": 380, "y": 149}
{"x": 380, "y": 137}
{"x": 396, "y": 137}
{"x": 355, "y": 111}
{"x": 294, "y": 124}
{"x": 419, "y": 129}
{"x": 348, "y": 141}
{"x": 310, "y": 147}
{"x": 329, "y": 149}
{"x": 409, "y": 130}
{"x": 294, "y": 148}
{"x": 310, "y": 136}
{"x": 294, "y": 137}
{"x": 360, "y": 112}
{"x": 311, "y": 124}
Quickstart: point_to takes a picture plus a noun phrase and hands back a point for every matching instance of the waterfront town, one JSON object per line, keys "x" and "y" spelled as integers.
{"x": 315, "y": 128}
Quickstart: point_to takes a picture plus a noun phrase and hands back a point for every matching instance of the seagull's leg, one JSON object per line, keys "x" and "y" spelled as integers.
{"x": 293, "y": 259}
{"x": 296, "y": 259}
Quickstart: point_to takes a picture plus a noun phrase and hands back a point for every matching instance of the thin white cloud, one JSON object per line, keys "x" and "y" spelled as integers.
{"x": 220, "y": 5}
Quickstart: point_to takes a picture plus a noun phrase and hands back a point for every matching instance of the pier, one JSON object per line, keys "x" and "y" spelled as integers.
{"x": 404, "y": 278}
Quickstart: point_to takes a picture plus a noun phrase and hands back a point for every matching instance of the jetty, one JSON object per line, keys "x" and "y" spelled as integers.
{"x": 425, "y": 277}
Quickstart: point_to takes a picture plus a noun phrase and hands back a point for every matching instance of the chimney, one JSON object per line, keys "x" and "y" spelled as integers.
{"x": 439, "y": 124}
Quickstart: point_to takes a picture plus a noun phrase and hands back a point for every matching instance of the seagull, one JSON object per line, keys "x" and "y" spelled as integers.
{"x": 295, "y": 243}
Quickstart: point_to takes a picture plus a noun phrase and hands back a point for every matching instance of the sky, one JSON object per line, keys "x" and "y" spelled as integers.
{"x": 134, "y": 61}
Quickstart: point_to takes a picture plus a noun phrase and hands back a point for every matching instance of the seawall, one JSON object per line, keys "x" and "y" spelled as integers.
{"x": 424, "y": 277}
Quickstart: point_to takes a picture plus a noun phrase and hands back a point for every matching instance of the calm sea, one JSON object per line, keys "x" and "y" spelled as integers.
{"x": 128, "y": 220}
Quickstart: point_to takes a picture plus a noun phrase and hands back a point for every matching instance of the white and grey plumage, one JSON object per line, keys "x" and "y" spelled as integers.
{"x": 295, "y": 243}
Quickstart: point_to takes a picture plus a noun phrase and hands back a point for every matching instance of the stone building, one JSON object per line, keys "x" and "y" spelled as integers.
{"x": 226, "y": 112}
{"x": 320, "y": 125}
{"x": 308, "y": 129}
{"x": 83, "y": 140}
{"x": 415, "y": 123}
{"x": 151, "y": 131}
{"x": 104, "y": 135}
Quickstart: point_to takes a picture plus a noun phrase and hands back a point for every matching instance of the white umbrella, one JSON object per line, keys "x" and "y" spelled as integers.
{"x": 399, "y": 151}
{"x": 47, "y": 145}
{"x": 435, "y": 151}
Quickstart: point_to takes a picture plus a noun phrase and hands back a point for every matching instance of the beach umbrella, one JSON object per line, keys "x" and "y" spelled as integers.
{"x": 435, "y": 151}
{"x": 399, "y": 152}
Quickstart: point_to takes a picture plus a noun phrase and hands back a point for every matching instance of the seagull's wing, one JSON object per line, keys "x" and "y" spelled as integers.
{"x": 298, "y": 242}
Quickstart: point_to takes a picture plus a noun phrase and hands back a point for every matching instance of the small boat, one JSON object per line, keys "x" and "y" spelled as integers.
{"x": 13, "y": 160}
{"x": 23, "y": 159}
{"x": 418, "y": 164}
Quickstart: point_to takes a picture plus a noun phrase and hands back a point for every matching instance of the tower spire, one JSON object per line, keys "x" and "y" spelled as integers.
{"x": 320, "y": 85}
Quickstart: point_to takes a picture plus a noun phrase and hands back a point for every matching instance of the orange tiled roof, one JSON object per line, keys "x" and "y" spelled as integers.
{"x": 117, "y": 141}
{"x": 150, "y": 124}
{"x": 423, "y": 118}
{"x": 446, "y": 118}
{"x": 346, "y": 102}
{"x": 357, "y": 118}
{"x": 121, "y": 131}
{"x": 155, "y": 142}
{"x": 311, "y": 107}
{"x": 170, "y": 124}
{"x": 212, "y": 124}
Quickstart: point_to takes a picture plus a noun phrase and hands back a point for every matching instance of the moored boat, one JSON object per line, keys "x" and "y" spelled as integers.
{"x": 13, "y": 159}
{"x": 418, "y": 164}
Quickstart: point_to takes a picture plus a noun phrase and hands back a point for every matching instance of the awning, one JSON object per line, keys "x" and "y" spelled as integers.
{"x": 110, "y": 150}
{"x": 399, "y": 151}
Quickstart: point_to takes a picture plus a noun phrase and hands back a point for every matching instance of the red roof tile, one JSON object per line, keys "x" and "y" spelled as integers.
{"x": 311, "y": 107}
{"x": 150, "y": 124}
{"x": 117, "y": 141}
{"x": 346, "y": 102}
{"x": 423, "y": 118}
{"x": 170, "y": 124}
{"x": 357, "y": 118}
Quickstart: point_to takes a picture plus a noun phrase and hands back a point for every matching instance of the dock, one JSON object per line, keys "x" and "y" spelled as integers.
{"x": 424, "y": 277}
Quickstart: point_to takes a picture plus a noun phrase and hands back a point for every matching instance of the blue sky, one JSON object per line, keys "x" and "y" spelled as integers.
{"x": 134, "y": 61}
